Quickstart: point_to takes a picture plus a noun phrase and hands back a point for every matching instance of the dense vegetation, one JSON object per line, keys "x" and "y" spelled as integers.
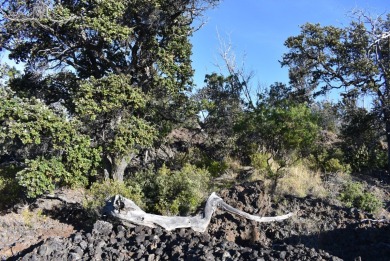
{"x": 106, "y": 84}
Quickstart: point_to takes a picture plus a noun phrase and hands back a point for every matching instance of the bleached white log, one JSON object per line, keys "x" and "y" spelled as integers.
{"x": 126, "y": 210}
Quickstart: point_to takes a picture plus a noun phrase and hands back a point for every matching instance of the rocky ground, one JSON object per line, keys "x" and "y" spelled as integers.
{"x": 320, "y": 230}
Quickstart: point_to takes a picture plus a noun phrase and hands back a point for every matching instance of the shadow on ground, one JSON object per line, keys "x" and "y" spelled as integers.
{"x": 364, "y": 240}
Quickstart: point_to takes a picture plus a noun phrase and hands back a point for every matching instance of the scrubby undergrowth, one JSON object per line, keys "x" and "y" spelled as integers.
{"x": 322, "y": 229}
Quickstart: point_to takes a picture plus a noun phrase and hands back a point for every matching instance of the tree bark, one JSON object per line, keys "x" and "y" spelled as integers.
{"x": 126, "y": 210}
{"x": 119, "y": 166}
{"x": 388, "y": 143}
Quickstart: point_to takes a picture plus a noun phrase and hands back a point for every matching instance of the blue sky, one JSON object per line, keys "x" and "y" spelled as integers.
{"x": 258, "y": 29}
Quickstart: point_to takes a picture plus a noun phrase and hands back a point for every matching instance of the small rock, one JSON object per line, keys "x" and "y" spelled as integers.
{"x": 282, "y": 254}
{"x": 140, "y": 239}
{"x": 102, "y": 228}
{"x": 151, "y": 257}
{"x": 74, "y": 256}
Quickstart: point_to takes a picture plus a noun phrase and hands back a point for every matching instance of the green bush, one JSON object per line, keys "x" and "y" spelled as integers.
{"x": 334, "y": 165}
{"x": 217, "y": 168}
{"x": 10, "y": 190}
{"x": 173, "y": 192}
{"x": 353, "y": 195}
{"x": 259, "y": 161}
{"x": 98, "y": 194}
{"x": 43, "y": 175}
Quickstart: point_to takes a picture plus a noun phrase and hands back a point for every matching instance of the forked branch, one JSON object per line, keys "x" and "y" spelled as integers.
{"x": 126, "y": 210}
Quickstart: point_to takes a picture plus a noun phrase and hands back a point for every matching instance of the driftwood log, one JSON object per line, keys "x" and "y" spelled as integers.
{"x": 127, "y": 211}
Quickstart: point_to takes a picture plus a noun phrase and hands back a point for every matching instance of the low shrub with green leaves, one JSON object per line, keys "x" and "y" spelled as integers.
{"x": 334, "y": 165}
{"x": 10, "y": 190}
{"x": 353, "y": 195}
{"x": 48, "y": 147}
{"x": 42, "y": 175}
{"x": 174, "y": 192}
{"x": 259, "y": 161}
{"x": 217, "y": 168}
{"x": 98, "y": 194}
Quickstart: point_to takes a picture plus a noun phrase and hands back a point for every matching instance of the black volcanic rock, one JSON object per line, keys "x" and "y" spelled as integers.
{"x": 319, "y": 231}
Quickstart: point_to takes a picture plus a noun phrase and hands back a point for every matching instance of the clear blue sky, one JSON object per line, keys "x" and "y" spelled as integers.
{"x": 258, "y": 29}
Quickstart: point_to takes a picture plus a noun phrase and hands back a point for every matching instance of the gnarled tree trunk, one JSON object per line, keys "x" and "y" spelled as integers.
{"x": 126, "y": 210}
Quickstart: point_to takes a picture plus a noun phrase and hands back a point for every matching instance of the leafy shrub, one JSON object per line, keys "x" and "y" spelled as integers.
{"x": 174, "y": 192}
{"x": 259, "y": 161}
{"x": 353, "y": 195}
{"x": 334, "y": 165}
{"x": 42, "y": 175}
{"x": 217, "y": 168}
{"x": 98, "y": 194}
{"x": 54, "y": 153}
{"x": 10, "y": 190}
{"x": 328, "y": 158}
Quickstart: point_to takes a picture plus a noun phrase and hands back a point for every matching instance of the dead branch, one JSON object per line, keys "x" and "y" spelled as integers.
{"x": 127, "y": 211}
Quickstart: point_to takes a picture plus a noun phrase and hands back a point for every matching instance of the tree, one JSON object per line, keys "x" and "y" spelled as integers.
{"x": 362, "y": 138}
{"x": 357, "y": 58}
{"x": 279, "y": 124}
{"x": 279, "y": 130}
{"x": 118, "y": 68}
{"x": 221, "y": 106}
{"x": 222, "y": 101}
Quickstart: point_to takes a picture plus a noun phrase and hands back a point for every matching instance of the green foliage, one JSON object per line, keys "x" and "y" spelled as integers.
{"x": 118, "y": 70}
{"x": 363, "y": 141}
{"x": 259, "y": 161}
{"x": 181, "y": 191}
{"x": 334, "y": 165}
{"x": 10, "y": 189}
{"x": 353, "y": 195}
{"x": 31, "y": 132}
{"x": 115, "y": 96}
{"x": 173, "y": 192}
{"x": 100, "y": 192}
{"x": 217, "y": 168}
{"x": 41, "y": 175}
{"x": 354, "y": 58}
{"x": 7, "y": 74}
{"x": 328, "y": 158}
{"x": 281, "y": 129}
{"x": 221, "y": 106}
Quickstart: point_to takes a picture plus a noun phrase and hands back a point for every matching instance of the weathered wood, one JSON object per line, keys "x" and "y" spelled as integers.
{"x": 126, "y": 210}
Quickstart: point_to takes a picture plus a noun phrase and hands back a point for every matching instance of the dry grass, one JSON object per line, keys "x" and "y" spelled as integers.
{"x": 300, "y": 181}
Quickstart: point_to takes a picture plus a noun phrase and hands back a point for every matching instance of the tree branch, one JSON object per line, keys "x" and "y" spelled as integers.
{"x": 126, "y": 210}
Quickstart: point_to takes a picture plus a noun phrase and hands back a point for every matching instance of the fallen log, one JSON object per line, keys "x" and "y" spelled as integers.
{"x": 126, "y": 210}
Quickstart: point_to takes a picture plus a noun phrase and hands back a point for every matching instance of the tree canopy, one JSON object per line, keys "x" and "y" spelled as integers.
{"x": 355, "y": 58}
{"x": 100, "y": 81}
{"x": 105, "y": 101}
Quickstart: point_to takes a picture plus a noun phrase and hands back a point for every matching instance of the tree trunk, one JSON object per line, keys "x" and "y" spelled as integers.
{"x": 388, "y": 143}
{"x": 127, "y": 211}
{"x": 119, "y": 165}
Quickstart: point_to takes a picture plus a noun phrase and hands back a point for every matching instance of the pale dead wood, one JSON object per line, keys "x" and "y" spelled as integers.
{"x": 126, "y": 210}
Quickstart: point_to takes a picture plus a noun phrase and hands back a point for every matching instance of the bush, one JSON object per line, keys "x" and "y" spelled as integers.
{"x": 333, "y": 165}
{"x": 353, "y": 195}
{"x": 176, "y": 192}
{"x": 10, "y": 190}
{"x": 259, "y": 161}
{"x": 217, "y": 168}
{"x": 40, "y": 176}
{"x": 98, "y": 194}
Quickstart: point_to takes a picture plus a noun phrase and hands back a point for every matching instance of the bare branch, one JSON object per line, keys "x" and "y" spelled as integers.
{"x": 126, "y": 210}
{"x": 229, "y": 59}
